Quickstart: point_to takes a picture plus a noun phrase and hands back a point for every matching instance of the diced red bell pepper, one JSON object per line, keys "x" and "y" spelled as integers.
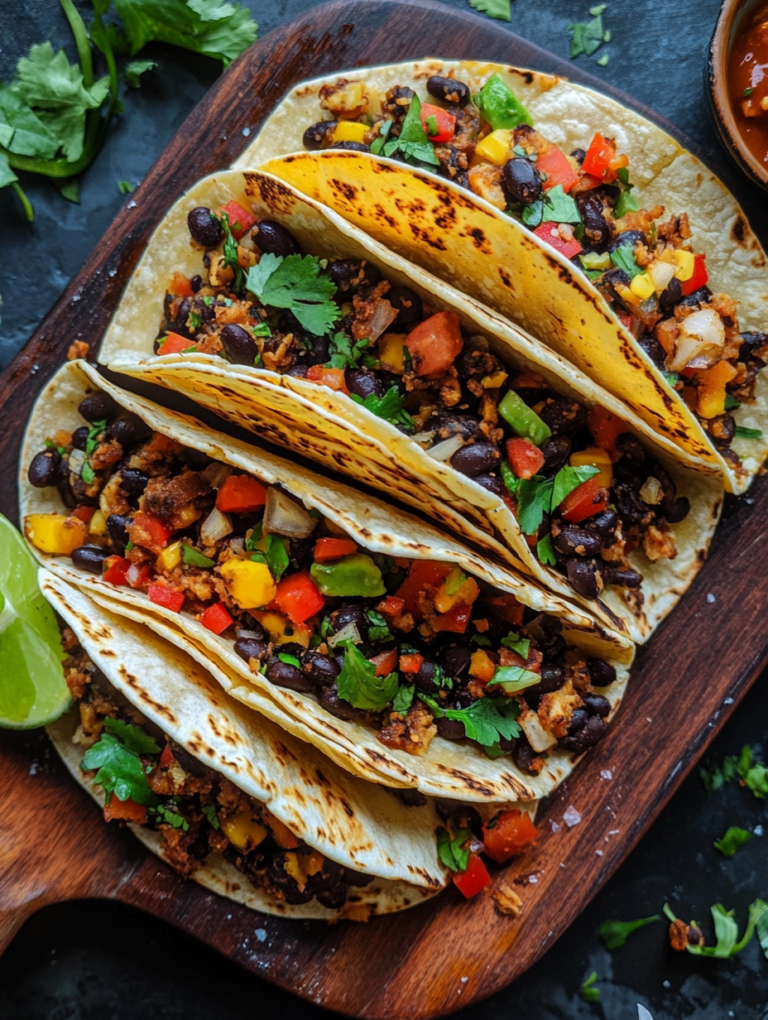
{"x": 626, "y": 320}
{"x": 474, "y": 879}
{"x": 446, "y": 123}
{"x": 601, "y": 159}
{"x": 509, "y": 499}
{"x": 137, "y": 576}
{"x": 181, "y": 285}
{"x": 115, "y": 569}
{"x": 556, "y": 165}
{"x": 525, "y": 458}
{"x": 240, "y": 494}
{"x": 240, "y": 220}
{"x": 333, "y": 378}
{"x": 507, "y": 608}
{"x": 435, "y": 344}
{"x": 216, "y": 618}
{"x": 550, "y": 233}
{"x": 699, "y": 278}
{"x": 605, "y": 427}
{"x": 83, "y": 513}
{"x": 410, "y": 663}
{"x": 454, "y": 621}
{"x": 149, "y": 532}
{"x": 166, "y": 758}
{"x": 327, "y": 549}
{"x": 421, "y": 574}
{"x": 124, "y": 811}
{"x": 508, "y": 834}
{"x": 166, "y": 597}
{"x": 585, "y": 501}
{"x": 385, "y": 662}
{"x": 391, "y": 606}
{"x": 175, "y": 343}
{"x": 298, "y": 597}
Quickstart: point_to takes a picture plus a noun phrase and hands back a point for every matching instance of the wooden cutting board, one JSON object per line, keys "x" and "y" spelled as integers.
{"x": 448, "y": 953}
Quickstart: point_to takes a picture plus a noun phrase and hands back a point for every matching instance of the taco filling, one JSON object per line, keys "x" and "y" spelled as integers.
{"x": 582, "y": 204}
{"x": 412, "y": 648}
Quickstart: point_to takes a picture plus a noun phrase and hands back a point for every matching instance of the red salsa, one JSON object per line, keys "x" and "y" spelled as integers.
{"x": 748, "y": 81}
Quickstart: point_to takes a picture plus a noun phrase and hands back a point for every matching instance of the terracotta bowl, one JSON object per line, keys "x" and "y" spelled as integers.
{"x": 733, "y": 14}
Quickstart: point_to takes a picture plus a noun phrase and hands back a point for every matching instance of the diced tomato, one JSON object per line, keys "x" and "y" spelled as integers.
{"x": 435, "y": 343}
{"x": 391, "y": 606}
{"x": 524, "y": 457}
{"x": 699, "y": 278}
{"x": 549, "y": 232}
{"x": 333, "y": 378}
{"x": 410, "y": 663}
{"x": 556, "y": 165}
{"x": 446, "y": 123}
{"x": 166, "y": 597}
{"x": 240, "y": 494}
{"x": 605, "y": 427}
{"x": 181, "y": 285}
{"x": 454, "y": 621}
{"x": 166, "y": 758}
{"x": 689, "y": 373}
{"x": 298, "y": 597}
{"x": 115, "y": 569}
{"x": 149, "y": 532}
{"x": 137, "y": 576}
{"x": 474, "y": 879}
{"x": 626, "y": 320}
{"x": 385, "y": 662}
{"x": 333, "y": 549}
{"x": 421, "y": 574}
{"x": 507, "y": 608}
{"x": 124, "y": 811}
{"x": 84, "y": 513}
{"x": 602, "y": 161}
{"x": 216, "y": 618}
{"x": 240, "y": 220}
{"x": 510, "y": 833}
{"x": 586, "y": 500}
{"x": 509, "y": 499}
{"x": 175, "y": 343}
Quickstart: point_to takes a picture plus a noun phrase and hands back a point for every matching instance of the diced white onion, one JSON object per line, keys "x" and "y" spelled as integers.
{"x": 652, "y": 492}
{"x": 215, "y": 527}
{"x": 237, "y": 545}
{"x": 76, "y": 461}
{"x": 216, "y": 474}
{"x": 284, "y": 517}
{"x": 446, "y": 449}
{"x": 701, "y": 339}
{"x": 537, "y": 736}
{"x": 661, "y": 273}
{"x": 257, "y": 635}
{"x": 348, "y": 632}
{"x": 423, "y": 437}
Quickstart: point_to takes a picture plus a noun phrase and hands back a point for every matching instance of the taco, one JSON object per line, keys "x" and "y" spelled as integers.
{"x": 403, "y": 656}
{"x": 374, "y": 367}
{"x": 574, "y": 216}
{"x": 222, "y": 794}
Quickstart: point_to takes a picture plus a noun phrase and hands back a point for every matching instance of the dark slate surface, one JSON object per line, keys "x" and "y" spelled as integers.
{"x": 92, "y": 961}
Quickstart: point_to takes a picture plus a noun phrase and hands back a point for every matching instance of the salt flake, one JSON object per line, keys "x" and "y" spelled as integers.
{"x": 555, "y": 826}
{"x": 571, "y": 817}
{"x": 711, "y": 598}
{"x": 606, "y": 774}
{"x": 261, "y": 935}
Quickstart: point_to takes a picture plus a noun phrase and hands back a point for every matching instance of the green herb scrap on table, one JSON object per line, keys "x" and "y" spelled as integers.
{"x": 55, "y": 115}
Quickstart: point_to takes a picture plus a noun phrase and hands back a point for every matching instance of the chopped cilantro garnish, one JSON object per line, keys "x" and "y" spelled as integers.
{"x": 378, "y": 143}
{"x": 134, "y": 69}
{"x": 485, "y": 720}
{"x": 86, "y": 473}
{"x": 289, "y": 660}
{"x": 195, "y": 320}
{"x": 359, "y": 685}
{"x": 514, "y": 678}
{"x": 450, "y": 849}
{"x": 615, "y": 933}
{"x": 481, "y": 640}
{"x": 559, "y": 207}
{"x": 517, "y": 644}
{"x": 588, "y": 990}
{"x": 125, "y": 187}
{"x": 731, "y": 403}
{"x": 412, "y": 143}
{"x": 115, "y": 758}
{"x": 263, "y": 329}
{"x": 733, "y": 840}
{"x": 403, "y": 700}
{"x": 209, "y": 811}
{"x": 586, "y": 37}
{"x": 603, "y": 62}
{"x": 623, "y": 257}
{"x": 751, "y": 774}
{"x": 745, "y": 433}
{"x": 627, "y": 201}
{"x": 747, "y": 92}
{"x": 165, "y": 816}
{"x": 672, "y": 378}
{"x": 569, "y": 478}
{"x": 499, "y": 9}
{"x": 390, "y": 407}
{"x": 258, "y": 361}
{"x": 276, "y": 555}
{"x": 546, "y": 551}
{"x": 297, "y": 283}
{"x": 537, "y": 496}
{"x": 345, "y": 353}
{"x": 94, "y": 432}
{"x": 431, "y": 122}
{"x": 378, "y": 629}
{"x": 230, "y": 254}
{"x": 727, "y": 930}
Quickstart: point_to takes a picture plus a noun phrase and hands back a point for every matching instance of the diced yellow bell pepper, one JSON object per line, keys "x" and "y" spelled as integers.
{"x": 281, "y": 630}
{"x": 495, "y": 146}
{"x": 293, "y": 866}
{"x": 626, "y": 294}
{"x": 349, "y": 131}
{"x": 281, "y": 834}
{"x": 686, "y": 263}
{"x": 56, "y": 534}
{"x": 643, "y": 286}
{"x": 243, "y": 831}
{"x": 465, "y": 593}
{"x": 169, "y": 558}
{"x": 98, "y": 524}
{"x": 313, "y": 864}
{"x": 593, "y": 456}
{"x": 711, "y": 390}
{"x": 391, "y": 354}
{"x": 250, "y": 584}
{"x": 493, "y": 382}
{"x": 481, "y": 665}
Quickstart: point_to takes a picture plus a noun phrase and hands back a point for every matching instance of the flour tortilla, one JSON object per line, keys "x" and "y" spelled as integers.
{"x": 356, "y": 824}
{"x": 447, "y": 769}
{"x": 495, "y": 259}
{"x": 330, "y": 427}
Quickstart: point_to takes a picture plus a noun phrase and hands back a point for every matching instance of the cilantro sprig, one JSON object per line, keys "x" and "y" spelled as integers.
{"x": 390, "y": 407}
{"x": 451, "y": 850}
{"x": 727, "y": 930}
{"x": 751, "y": 774}
{"x": 538, "y": 495}
{"x": 733, "y": 840}
{"x": 298, "y": 283}
{"x": 348, "y": 354}
{"x": 116, "y": 760}
{"x": 358, "y": 684}
{"x": 485, "y": 720}
{"x": 615, "y": 933}
{"x": 412, "y": 143}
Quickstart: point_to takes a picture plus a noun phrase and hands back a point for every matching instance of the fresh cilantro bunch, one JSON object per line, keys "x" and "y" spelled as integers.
{"x": 55, "y": 115}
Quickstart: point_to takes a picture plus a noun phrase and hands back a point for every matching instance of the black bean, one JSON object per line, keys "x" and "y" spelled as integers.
{"x": 273, "y": 237}
{"x": 284, "y": 883}
{"x": 596, "y": 704}
{"x": 409, "y": 307}
{"x": 98, "y": 406}
{"x": 562, "y": 415}
{"x": 80, "y": 437}
{"x": 532, "y": 697}
{"x": 668, "y": 487}
{"x": 344, "y": 271}
{"x": 583, "y": 575}
{"x": 552, "y": 647}
{"x": 671, "y": 296}
{"x": 605, "y": 523}
{"x": 492, "y": 483}
{"x": 129, "y": 430}
{"x": 572, "y": 541}
{"x": 62, "y": 482}
{"x": 454, "y": 659}
{"x": 615, "y": 276}
{"x": 133, "y": 482}
{"x": 678, "y": 511}
{"x": 363, "y": 383}
{"x": 203, "y": 227}
{"x": 251, "y": 648}
{"x": 587, "y": 737}
{"x": 90, "y": 558}
{"x": 520, "y": 181}
{"x": 43, "y": 467}
{"x": 578, "y": 721}
{"x": 524, "y": 756}
{"x": 699, "y": 297}
{"x": 239, "y": 344}
{"x": 552, "y": 678}
{"x": 351, "y": 146}
{"x": 331, "y": 702}
{"x": 117, "y": 529}
{"x": 425, "y": 678}
{"x": 330, "y": 876}
{"x": 448, "y": 89}
{"x": 722, "y": 428}
{"x": 320, "y": 135}
{"x": 579, "y": 155}
{"x": 556, "y": 452}
{"x": 464, "y": 815}
{"x": 630, "y": 450}
{"x": 196, "y": 283}
{"x": 357, "y": 878}
{"x": 195, "y": 460}
{"x": 350, "y": 613}
{"x": 632, "y": 237}
{"x": 654, "y": 350}
{"x": 476, "y": 459}
{"x": 283, "y": 674}
{"x": 321, "y": 670}
{"x": 624, "y": 578}
{"x": 601, "y": 673}
{"x": 595, "y": 225}
{"x": 446, "y": 424}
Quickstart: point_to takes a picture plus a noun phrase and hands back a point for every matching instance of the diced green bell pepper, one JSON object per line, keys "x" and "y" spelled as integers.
{"x": 523, "y": 420}
{"x": 355, "y": 575}
{"x": 499, "y": 106}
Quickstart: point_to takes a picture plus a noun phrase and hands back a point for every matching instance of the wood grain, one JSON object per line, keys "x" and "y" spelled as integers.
{"x": 446, "y": 954}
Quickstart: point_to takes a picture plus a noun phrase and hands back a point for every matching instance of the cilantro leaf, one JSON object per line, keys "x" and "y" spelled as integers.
{"x": 615, "y": 933}
{"x": 761, "y": 925}
{"x": 588, "y": 991}
{"x": 753, "y": 775}
{"x": 412, "y": 143}
{"x": 485, "y": 720}
{"x": 559, "y": 207}
{"x": 21, "y": 130}
{"x": 517, "y": 644}
{"x": 133, "y": 71}
{"x": 115, "y": 758}
{"x": 534, "y": 499}
{"x": 358, "y": 684}
{"x": 165, "y": 816}
{"x": 277, "y": 555}
{"x": 403, "y": 700}
{"x": 733, "y": 840}
{"x": 378, "y": 629}
{"x": 218, "y": 30}
{"x": 390, "y": 407}
{"x": 533, "y": 214}
{"x": 745, "y": 433}
{"x": 546, "y": 551}
{"x": 125, "y": 187}
{"x": 587, "y": 37}
{"x": 296, "y": 283}
{"x": 210, "y": 814}
{"x": 193, "y": 558}
{"x": 378, "y": 143}
{"x": 86, "y": 473}
{"x": 623, "y": 257}
{"x": 499, "y": 9}
{"x": 569, "y": 478}
{"x": 450, "y": 849}
{"x": 514, "y": 678}
{"x": 431, "y": 123}
{"x": 627, "y": 201}
{"x": 727, "y": 930}
{"x": 288, "y": 659}
{"x": 731, "y": 403}
{"x": 134, "y": 737}
{"x": 345, "y": 353}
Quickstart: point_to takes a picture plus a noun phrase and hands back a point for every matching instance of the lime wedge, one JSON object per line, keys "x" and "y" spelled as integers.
{"x": 32, "y": 687}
